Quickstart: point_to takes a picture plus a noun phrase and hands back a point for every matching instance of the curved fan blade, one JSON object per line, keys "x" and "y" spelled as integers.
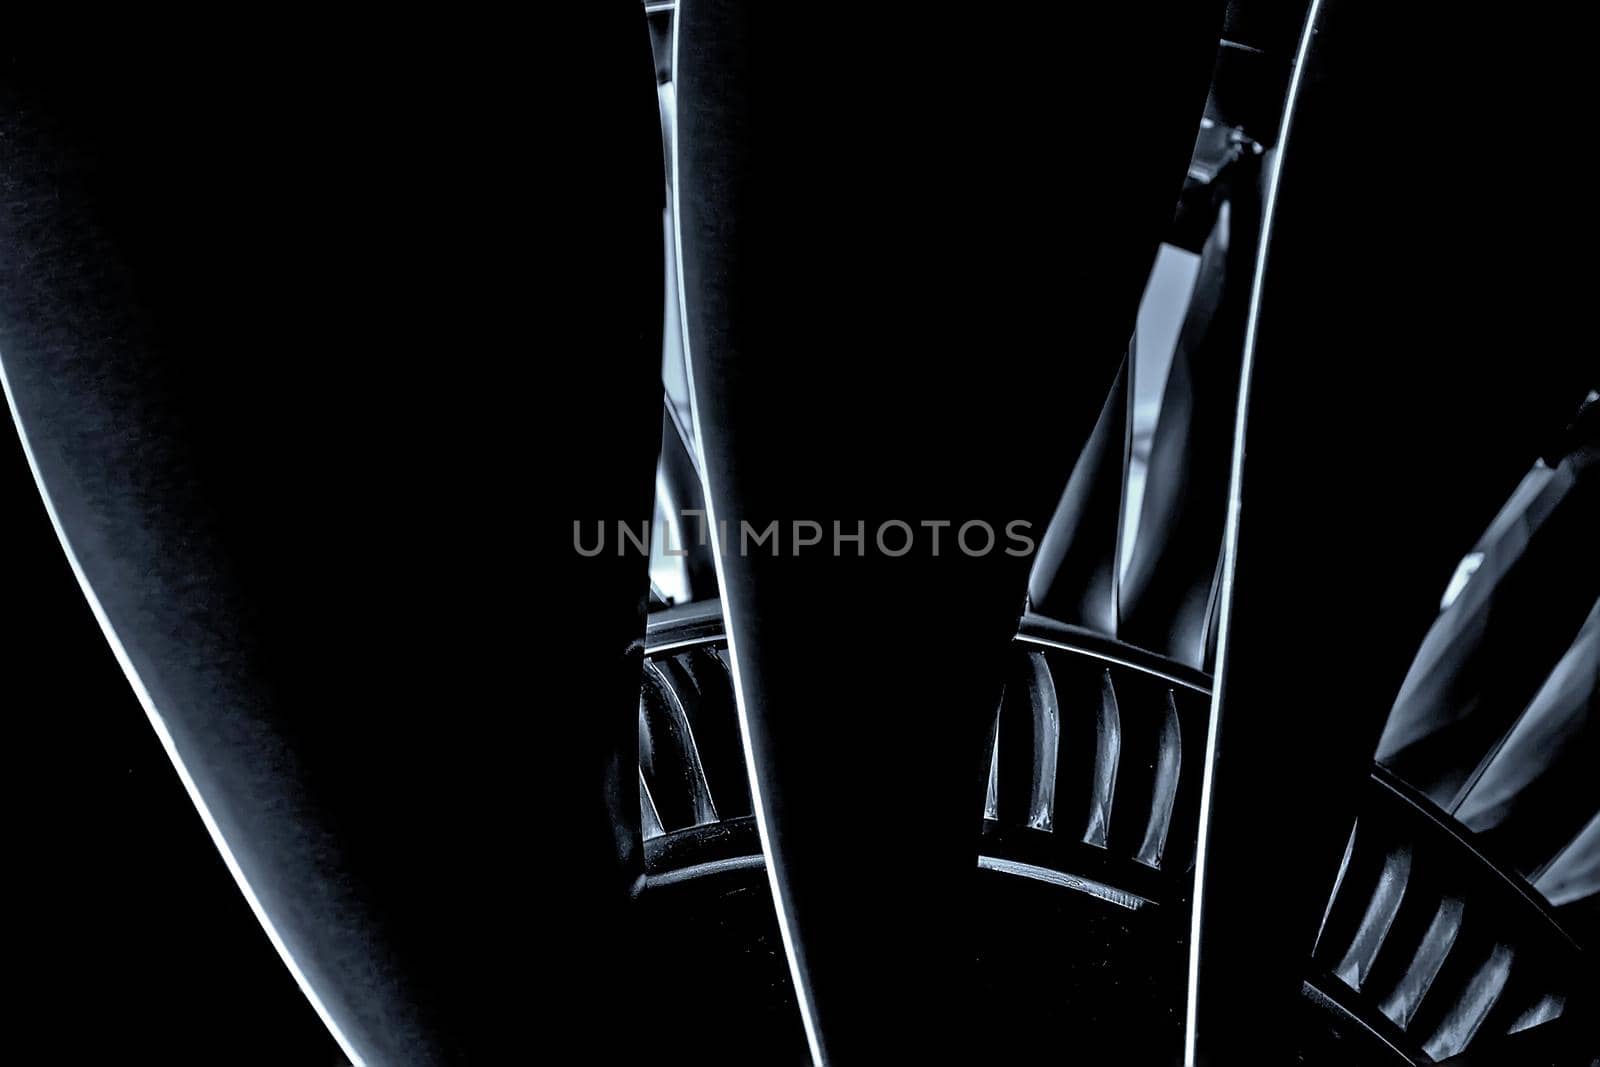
{"x": 1369, "y": 459}
{"x": 1074, "y": 577}
{"x": 1491, "y": 649}
{"x": 681, "y": 506}
{"x": 1534, "y": 794}
{"x": 1566, "y": 1042}
{"x": 1573, "y": 874}
{"x": 1027, "y": 740}
{"x": 1166, "y": 595}
{"x": 902, "y": 312}
{"x": 270, "y": 313}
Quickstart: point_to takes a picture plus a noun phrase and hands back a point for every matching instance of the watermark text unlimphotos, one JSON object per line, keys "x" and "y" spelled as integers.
{"x": 892, "y": 538}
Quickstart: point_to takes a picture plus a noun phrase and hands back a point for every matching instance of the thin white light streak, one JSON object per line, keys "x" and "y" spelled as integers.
{"x": 796, "y": 971}
{"x": 1230, "y": 541}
